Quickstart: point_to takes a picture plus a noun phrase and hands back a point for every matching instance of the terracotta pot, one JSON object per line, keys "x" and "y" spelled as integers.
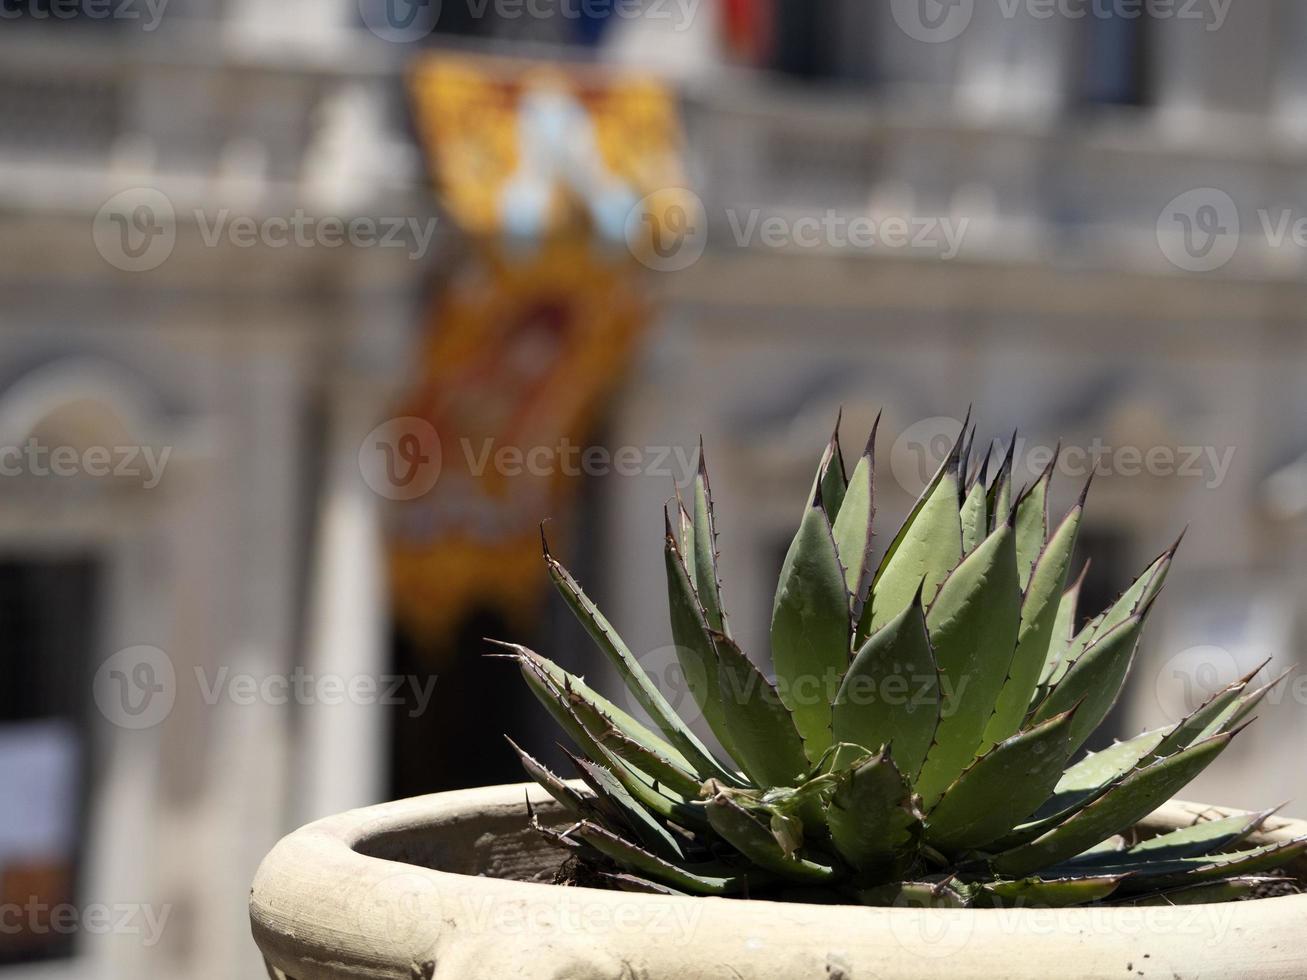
{"x": 448, "y": 887}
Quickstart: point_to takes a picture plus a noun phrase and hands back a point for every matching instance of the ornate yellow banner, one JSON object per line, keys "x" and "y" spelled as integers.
{"x": 543, "y": 168}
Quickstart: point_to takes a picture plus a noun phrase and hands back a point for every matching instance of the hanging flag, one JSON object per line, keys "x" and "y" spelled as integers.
{"x": 541, "y": 167}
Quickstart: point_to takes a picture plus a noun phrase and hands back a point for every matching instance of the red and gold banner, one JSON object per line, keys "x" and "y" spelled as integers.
{"x": 541, "y": 167}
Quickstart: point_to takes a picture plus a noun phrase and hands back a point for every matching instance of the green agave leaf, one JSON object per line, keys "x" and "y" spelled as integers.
{"x": 1148, "y": 875}
{"x": 1039, "y": 610}
{"x": 589, "y": 725}
{"x": 981, "y": 473}
{"x": 890, "y": 696}
{"x": 872, "y": 820}
{"x": 639, "y": 683}
{"x": 1095, "y": 775}
{"x": 754, "y": 839}
{"x": 810, "y": 629}
{"x": 685, "y": 535}
{"x": 620, "y": 720}
{"x": 1137, "y": 597}
{"x": 1208, "y": 893}
{"x": 975, "y": 519}
{"x": 695, "y": 650}
{"x": 1204, "y": 837}
{"x": 641, "y": 786}
{"x": 1083, "y": 783}
{"x": 688, "y": 879}
{"x": 1053, "y": 893}
{"x": 707, "y": 579}
{"x": 608, "y": 789}
{"x": 1003, "y": 786}
{"x": 664, "y": 772}
{"x": 1032, "y": 522}
{"x": 973, "y": 626}
{"x": 578, "y": 806}
{"x": 832, "y": 482}
{"x": 964, "y": 458}
{"x": 999, "y": 499}
{"x": 1064, "y": 625}
{"x": 1122, "y": 806}
{"x": 853, "y": 526}
{"x": 767, "y": 744}
{"x": 927, "y": 547}
{"x": 1095, "y": 680}
{"x": 1209, "y": 715}
{"x": 640, "y": 886}
{"x": 1243, "y": 707}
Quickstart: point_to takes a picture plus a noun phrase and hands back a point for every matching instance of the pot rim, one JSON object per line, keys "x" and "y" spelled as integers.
{"x": 322, "y": 906}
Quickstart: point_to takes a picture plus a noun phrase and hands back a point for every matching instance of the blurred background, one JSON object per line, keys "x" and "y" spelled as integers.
{"x": 311, "y": 310}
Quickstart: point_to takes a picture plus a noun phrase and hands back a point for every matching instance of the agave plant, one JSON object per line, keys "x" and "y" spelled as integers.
{"x": 919, "y": 744}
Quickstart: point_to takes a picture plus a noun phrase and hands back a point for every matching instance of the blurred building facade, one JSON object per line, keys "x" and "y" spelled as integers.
{"x": 1057, "y": 144}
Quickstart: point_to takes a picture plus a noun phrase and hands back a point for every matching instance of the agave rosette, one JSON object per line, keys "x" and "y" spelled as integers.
{"x": 920, "y": 742}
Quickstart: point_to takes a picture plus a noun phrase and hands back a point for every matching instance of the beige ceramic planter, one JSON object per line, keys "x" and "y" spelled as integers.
{"x": 441, "y": 887}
